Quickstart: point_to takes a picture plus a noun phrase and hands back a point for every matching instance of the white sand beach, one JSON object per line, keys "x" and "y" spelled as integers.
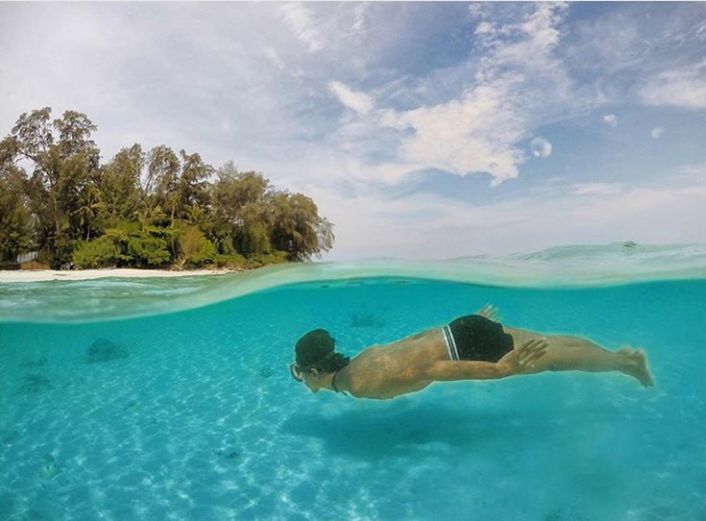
{"x": 8, "y": 276}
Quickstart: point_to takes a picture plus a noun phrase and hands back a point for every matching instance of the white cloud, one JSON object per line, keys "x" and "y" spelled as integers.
{"x": 300, "y": 20}
{"x": 657, "y": 132}
{"x": 359, "y": 18}
{"x": 479, "y": 130}
{"x": 484, "y": 28}
{"x": 357, "y": 101}
{"x": 610, "y": 119}
{"x": 540, "y": 147}
{"x": 684, "y": 87}
{"x": 474, "y": 134}
{"x": 595, "y": 188}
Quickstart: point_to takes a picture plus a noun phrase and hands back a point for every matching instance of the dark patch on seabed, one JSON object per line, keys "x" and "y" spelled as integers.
{"x": 103, "y": 350}
{"x": 265, "y": 372}
{"x": 35, "y": 384}
{"x": 227, "y": 454}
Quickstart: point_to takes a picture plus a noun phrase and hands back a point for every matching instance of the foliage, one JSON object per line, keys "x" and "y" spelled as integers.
{"x": 15, "y": 224}
{"x": 119, "y": 185}
{"x": 65, "y": 163}
{"x": 232, "y": 261}
{"x": 262, "y": 259}
{"x": 146, "y": 250}
{"x": 140, "y": 246}
{"x": 99, "y": 253}
{"x": 196, "y": 249}
{"x": 142, "y": 208}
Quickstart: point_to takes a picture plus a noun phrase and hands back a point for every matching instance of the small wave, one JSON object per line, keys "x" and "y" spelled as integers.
{"x": 560, "y": 267}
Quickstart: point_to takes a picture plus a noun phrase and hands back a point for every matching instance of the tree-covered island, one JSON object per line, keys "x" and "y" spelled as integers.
{"x": 143, "y": 209}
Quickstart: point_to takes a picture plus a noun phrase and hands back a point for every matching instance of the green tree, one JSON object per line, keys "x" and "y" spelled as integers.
{"x": 120, "y": 185}
{"x": 142, "y": 209}
{"x": 65, "y": 162}
{"x": 162, "y": 180}
{"x": 298, "y": 229}
{"x": 240, "y": 220}
{"x": 15, "y": 218}
{"x": 191, "y": 187}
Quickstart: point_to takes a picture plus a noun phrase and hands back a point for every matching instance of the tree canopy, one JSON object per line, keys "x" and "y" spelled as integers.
{"x": 142, "y": 208}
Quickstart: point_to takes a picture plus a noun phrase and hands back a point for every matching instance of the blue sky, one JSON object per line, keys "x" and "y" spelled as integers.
{"x": 422, "y": 130}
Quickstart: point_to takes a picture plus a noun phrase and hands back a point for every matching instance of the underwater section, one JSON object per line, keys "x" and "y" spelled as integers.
{"x": 194, "y": 415}
{"x": 562, "y": 267}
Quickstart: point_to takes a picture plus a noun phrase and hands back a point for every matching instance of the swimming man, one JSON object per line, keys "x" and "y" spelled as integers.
{"x": 472, "y": 347}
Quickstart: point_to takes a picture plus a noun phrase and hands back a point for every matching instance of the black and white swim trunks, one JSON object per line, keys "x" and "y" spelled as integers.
{"x": 473, "y": 337}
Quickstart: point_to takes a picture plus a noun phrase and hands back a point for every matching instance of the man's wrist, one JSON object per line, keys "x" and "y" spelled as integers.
{"x": 503, "y": 370}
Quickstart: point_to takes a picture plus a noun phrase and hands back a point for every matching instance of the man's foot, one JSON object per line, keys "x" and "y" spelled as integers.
{"x": 636, "y": 366}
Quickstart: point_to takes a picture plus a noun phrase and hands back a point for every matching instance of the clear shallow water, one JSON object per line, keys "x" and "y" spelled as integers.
{"x": 193, "y": 414}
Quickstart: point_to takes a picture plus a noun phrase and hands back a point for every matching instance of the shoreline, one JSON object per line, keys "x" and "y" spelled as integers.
{"x": 10, "y": 276}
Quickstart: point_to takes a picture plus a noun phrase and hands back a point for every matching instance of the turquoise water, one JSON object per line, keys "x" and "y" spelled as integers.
{"x": 193, "y": 415}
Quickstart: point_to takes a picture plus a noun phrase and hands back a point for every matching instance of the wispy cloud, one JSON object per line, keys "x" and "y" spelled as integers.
{"x": 595, "y": 188}
{"x": 357, "y": 101}
{"x": 683, "y": 87}
{"x": 657, "y": 132}
{"x": 301, "y": 20}
{"x": 480, "y": 130}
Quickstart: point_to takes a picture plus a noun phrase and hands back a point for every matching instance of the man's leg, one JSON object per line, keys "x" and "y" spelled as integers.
{"x": 571, "y": 353}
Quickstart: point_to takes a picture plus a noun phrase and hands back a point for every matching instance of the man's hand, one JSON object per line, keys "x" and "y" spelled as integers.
{"x": 522, "y": 359}
{"x": 489, "y": 311}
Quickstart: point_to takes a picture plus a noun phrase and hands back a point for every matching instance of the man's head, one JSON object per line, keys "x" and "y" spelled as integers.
{"x": 316, "y": 358}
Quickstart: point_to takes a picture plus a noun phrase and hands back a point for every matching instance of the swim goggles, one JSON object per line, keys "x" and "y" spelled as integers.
{"x": 296, "y": 372}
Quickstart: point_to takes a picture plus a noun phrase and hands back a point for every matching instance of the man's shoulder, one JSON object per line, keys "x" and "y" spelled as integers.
{"x": 363, "y": 371}
{"x": 365, "y": 358}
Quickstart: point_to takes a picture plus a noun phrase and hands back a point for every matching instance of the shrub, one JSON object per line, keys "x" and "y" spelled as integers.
{"x": 146, "y": 250}
{"x": 98, "y": 253}
{"x": 233, "y": 261}
{"x": 196, "y": 249}
{"x": 257, "y": 260}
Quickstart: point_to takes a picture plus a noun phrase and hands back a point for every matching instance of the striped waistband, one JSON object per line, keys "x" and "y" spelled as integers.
{"x": 450, "y": 343}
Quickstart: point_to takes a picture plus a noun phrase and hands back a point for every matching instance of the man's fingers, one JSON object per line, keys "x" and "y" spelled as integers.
{"x": 534, "y": 344}
{"x": 532, "y": 350}
{"x": 536, "y": 356}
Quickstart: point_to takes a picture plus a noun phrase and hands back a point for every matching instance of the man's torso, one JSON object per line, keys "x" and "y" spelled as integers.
{"x": 400, "y": 367}
{"x": 389, "y": 370}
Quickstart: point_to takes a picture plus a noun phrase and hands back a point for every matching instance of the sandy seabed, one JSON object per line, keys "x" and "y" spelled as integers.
{"x": 7, "y": 276}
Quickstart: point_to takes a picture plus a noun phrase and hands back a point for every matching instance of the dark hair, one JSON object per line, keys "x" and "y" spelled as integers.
{"x": 315, "y": 350}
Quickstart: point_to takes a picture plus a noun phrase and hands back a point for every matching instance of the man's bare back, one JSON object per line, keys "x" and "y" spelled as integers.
{"x": 386, "y": 371}
{"x": 413, "y": 363}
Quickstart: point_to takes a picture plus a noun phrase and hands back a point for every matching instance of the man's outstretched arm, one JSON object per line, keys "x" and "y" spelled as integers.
{"x": 512, "y": 363}
{"x": 464, "y": 370}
